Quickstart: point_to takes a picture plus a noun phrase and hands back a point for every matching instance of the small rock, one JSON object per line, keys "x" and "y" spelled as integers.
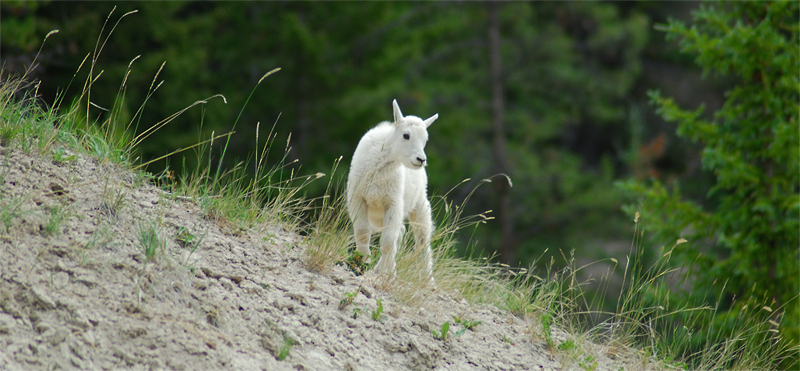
{"x": 75, "y": 361}
{"x": 154, "y": 364}
{"x": 77, "y": 348}
{"x": 88, "y": 338}
{"x": 41, "y": 298}
{"x": 87, "y": 279}
{"x": 226, "y": 283}
{"x": 65, "y": 267}
{"x": 60, "y": 280}
{"x": 42, "y": 327}
{"x": 200, "y": 284}
{"x": 6, "y": 323}
{"x": 176, "y": 365}
{"x": 59, "y": 337}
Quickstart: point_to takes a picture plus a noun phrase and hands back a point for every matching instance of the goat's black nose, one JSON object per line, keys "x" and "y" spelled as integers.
{"x": 421, "y": 160}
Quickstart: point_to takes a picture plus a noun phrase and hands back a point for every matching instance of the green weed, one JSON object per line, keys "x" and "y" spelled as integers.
{"x": 150, "y": 239}
{"x": 348, "y": 299}
{"x": 547, "y": 321}
{"x": 113, "y": 199}
{"x": 356, "y": 263}
{"x": 468, "y": 324}
{"x": 184, "y": 237}
{"x": 285, "y": 347}
{"x": 568, "y": 345}
{"x": 588, "y": 363}
{"x": 377, "y": 314}
{"x": 10, "y": 211}
{"x": 60, "y": 155}
{"x": 58, "y": 214}
{"x": 443, "y": 334}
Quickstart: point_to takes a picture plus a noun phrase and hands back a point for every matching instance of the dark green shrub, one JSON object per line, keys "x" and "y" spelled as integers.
{"x": 744, "y": 247}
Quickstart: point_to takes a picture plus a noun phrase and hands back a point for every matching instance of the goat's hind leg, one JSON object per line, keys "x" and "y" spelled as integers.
{"x": 362, "y": 231}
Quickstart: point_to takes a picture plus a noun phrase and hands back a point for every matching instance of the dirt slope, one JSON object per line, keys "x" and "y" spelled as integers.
{"x": 80, "y": 294}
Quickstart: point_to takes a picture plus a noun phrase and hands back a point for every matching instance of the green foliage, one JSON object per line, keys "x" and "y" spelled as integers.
{"x": 150, "y": 239}
{"x": 744, "y": 245}
{"x": 547, "y": 321}
{"x": 285, "y": 348}
{"x": 567, "y": 345}
{"x": 441, "y": 335}
{"x": 52, "y": 227}
{"x": 468, "y": 324}
{"x": 184, "y": 237}
{"x": 444, "y": 333}
{"x": 348, "y": 299}
{"x": 60, "y": 155}
{"x": 588, "y": 363}
{"x": 356, "y": 262}
{"x": 377, "y": 314}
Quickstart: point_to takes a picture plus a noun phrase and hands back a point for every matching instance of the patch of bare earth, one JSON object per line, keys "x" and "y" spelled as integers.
{"x": 80, "y": 293}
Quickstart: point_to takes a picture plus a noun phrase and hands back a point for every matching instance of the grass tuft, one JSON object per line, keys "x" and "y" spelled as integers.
{"x": 329, "y": 235}
{"x": 151, "y": 240}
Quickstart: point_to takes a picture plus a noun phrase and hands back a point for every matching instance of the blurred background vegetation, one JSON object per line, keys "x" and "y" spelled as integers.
{"x": 552, "y": 94}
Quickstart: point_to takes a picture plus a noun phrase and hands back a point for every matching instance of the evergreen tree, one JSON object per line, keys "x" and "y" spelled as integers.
{"x": 746, "y": 244}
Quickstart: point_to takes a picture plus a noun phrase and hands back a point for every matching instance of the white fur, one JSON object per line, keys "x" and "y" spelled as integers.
{"x": 387, "y": 184}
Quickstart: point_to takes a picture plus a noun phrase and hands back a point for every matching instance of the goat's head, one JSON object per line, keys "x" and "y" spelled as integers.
{"x": 410, "y": 136}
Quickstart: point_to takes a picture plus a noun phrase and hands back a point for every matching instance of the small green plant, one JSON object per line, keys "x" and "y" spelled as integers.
{"x": 377, "y": 314}
{"x": 567, "y": 345}
{"x": 356, "y": 263}
{"x": 150, "y": 239}
{"x": 356, "y": 313}
{"x": 547, "y": 321}
{"x": 9, "y": 211}
{"x": 53, "y": 224}
{"x": 188, "y": 240}
{"x": 113, "y": 199}
{"x": 443, "y": 334}
{"x": 184, "y": 237}
{"x": 286, "y": 346}
{"x": 60, "y": 155}
{"x": 588, "y": 363}
{"x": 348, "y": 299}
{"x": 468, "y": 324}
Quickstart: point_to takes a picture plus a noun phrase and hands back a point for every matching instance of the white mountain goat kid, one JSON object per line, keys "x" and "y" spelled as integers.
{"x": 387, "y": 184}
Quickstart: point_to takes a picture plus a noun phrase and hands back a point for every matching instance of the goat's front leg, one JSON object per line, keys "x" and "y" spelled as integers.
{"x": 390, "y": 238}
{"x": 422, "y": 224}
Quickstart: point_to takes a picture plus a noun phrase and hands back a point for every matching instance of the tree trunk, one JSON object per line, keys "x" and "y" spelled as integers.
{"x": 499, "y": 137}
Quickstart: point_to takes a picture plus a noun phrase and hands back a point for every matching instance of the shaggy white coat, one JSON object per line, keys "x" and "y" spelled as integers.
{"x": 387, "y": 184}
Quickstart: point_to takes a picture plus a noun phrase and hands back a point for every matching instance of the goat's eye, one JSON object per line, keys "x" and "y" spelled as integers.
{"x": 406, "y": 137}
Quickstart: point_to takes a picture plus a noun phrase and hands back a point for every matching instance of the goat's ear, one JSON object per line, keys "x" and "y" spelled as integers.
{"x": 398, "y": 116}
{"x": 430, "y": 120}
